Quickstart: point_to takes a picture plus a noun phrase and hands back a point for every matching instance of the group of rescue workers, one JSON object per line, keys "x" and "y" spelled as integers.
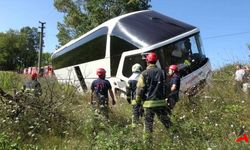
{"x": 150, "y": 92}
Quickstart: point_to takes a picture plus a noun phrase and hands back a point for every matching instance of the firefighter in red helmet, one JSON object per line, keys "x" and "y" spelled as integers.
{"x": 175, "y": 82}
{"x": 99, "y": 95}
{"x": 151, "y": 58}
{"x": 151, "y": 93}
{"x": 33, "y": 86}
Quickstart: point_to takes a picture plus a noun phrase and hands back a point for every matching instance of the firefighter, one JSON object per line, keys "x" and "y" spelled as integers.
{"x": 151, "y": 92}
{"x": 137, "y": 109}
{"x": 99, "y": 94}
{"x": 33, "y": 86}
{"x": 174, "y": 86}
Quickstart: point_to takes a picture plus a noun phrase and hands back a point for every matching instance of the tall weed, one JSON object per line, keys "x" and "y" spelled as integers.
{"x": 212, "y": 119}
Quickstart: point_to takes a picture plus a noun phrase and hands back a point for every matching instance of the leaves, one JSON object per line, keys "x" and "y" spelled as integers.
{"x": 83, "y": 15}
{"x": 18, "y": 48}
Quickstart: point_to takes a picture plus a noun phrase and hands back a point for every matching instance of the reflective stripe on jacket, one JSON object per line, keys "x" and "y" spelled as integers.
{"x": 154, "y": 103}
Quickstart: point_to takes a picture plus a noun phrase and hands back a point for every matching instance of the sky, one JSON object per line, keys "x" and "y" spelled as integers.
{"x": 224, "y": 24}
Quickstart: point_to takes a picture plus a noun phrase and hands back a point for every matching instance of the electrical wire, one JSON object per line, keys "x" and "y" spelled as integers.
{"x": 226, "y": 35}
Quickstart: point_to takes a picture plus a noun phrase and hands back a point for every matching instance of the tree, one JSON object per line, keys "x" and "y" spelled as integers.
{"x": 18, "y": 48}
{"x": 9, "y": 50}
{"x": 83, "y": 15}
{"x": 29, "y": 38}
{"x": 46, "y": 57}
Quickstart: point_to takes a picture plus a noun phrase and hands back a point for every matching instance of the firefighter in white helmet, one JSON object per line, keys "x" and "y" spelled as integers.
{"x": 137, "y": 109}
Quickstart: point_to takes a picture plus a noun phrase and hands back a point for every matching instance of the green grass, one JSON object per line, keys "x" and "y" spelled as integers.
{"x": 10, "y": 80}
{"x": 207, "y": 120}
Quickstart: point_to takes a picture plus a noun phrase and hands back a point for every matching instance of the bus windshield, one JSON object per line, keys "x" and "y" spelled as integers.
{"x": 187, "y": 53}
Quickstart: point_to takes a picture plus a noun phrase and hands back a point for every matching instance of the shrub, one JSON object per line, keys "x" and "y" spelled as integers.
{"x": 62, "y": 119}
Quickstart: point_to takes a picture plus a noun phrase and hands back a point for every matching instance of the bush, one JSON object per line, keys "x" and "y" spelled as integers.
{"x": 6, "y": 143}
{"x": 31, "y": 117}
{"x": 62, "y": 119}
{"x": 10, "y": 80}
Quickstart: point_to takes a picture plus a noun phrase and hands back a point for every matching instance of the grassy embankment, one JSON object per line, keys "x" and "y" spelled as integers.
{"x": 62, "y": 119}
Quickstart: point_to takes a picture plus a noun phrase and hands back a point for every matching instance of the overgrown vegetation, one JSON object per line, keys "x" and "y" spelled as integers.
{"x": 19, "y": 49}
{"x": 62, "y": 119}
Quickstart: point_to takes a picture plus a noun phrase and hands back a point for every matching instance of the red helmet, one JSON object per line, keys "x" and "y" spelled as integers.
{"x": 151, "y": 57}
{"x": 34, "y": 75}
{"x": 173, "y": 67}
{"x": 100, "y": 72}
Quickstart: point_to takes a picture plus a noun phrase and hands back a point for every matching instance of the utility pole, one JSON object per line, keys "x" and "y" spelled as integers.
{"x": 41, "y": 46}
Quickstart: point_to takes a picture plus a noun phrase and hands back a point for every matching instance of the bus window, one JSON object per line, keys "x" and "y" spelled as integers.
{"x": 164, "y": 55}
{"x": 186, "y": 53}
{"x": 194, "y": 46}
{"x": 199, "y": 44}
{"x": 117, "y": 47}
{"x": 130, "y": 61}
{"x": 90, "y": 48}
{"x": 90, "y": 51}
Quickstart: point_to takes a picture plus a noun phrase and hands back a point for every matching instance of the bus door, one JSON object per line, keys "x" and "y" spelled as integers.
{"x": 80, "y": 78}
{"x": 128, "y": 59}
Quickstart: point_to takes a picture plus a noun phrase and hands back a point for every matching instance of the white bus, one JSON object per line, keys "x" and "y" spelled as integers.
{"x": 119, "y": 43}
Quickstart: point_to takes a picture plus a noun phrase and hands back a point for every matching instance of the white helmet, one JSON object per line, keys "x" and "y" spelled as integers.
{"x": 136, "y": 68}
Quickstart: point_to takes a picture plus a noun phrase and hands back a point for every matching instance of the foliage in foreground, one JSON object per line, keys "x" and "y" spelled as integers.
{"x": 211, "y": 119}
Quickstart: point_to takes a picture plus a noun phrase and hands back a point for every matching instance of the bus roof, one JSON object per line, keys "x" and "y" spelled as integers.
{"x": 148, "y": 28}
{"x": 141, "y": 28}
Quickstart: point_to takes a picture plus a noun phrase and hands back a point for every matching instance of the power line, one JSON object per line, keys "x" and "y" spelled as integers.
{"x": 226, "y": 35}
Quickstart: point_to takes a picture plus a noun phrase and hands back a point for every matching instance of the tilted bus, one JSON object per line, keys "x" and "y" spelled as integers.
{"x": 119, "y": 43}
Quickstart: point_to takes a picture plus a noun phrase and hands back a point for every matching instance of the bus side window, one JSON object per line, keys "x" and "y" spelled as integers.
{"x": 117, "y": 47}
{"x": 176, "y": 55}
{"x": 188, "y": 47}
{"x": 130, "y": 61}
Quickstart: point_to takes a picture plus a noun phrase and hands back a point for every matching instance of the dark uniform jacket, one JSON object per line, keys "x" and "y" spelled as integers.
{"x": 101, "y": 86}
{"x": 175, "y": 79}
{"x": 33, "y": 86}
{"x": 151, "y": 87}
